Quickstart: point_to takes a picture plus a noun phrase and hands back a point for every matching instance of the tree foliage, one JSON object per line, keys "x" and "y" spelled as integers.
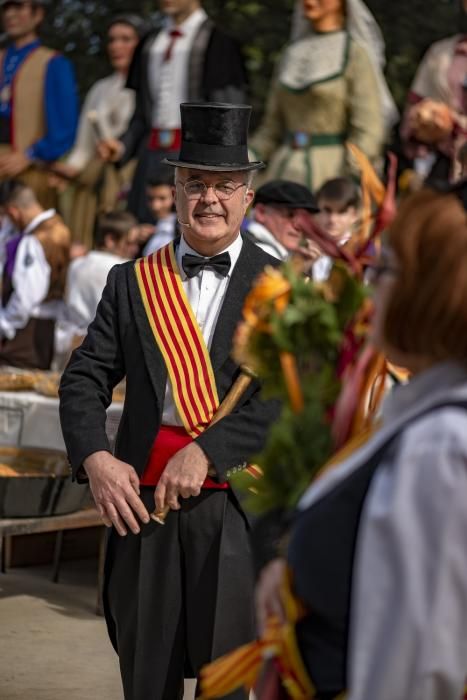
{"x": 77, "y": 27}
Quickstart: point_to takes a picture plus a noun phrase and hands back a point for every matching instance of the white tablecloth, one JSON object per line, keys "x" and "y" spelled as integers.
{"x": 28, "y": 419}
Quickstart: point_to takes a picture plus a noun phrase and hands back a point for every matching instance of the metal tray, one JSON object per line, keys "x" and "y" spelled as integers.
{"x": 41, "y": 485}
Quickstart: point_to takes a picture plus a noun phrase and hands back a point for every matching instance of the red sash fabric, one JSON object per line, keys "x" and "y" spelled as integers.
{"x": 168, "y": 442}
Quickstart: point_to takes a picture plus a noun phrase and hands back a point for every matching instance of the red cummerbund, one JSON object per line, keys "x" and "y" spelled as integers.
{"x": 165, "y": 140}
{"x": 169, "y": 440}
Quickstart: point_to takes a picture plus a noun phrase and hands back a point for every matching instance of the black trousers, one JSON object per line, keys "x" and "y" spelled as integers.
{"x": 180, "y": 595}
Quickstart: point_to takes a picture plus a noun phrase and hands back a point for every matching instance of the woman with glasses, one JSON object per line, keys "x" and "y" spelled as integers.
{"x": 377, "y": 552}
{"x": 106, "y": 112}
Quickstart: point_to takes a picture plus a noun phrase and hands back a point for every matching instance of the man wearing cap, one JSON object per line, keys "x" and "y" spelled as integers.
{"x": 176, "y": 595}
{"x": 273, "y": 226}
{"x": 188, "y": 59}
{"x": 38, "y": 99}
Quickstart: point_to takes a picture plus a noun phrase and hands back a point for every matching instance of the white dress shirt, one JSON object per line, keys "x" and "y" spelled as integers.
{"x": 168, "y": 80}
{"x": 409, "y": 600}
{"x": 86, "y": 279}
{"x": 206, "y": 292}
{"x": 31, "y": 281}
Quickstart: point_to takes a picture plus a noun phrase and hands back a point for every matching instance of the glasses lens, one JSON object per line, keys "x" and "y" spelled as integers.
{"x": 194, "y": 189}
{"x": 224, "y": 190}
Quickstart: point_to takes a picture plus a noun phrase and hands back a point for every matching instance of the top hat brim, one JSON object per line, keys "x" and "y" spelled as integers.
{"x": 233, "y": 168}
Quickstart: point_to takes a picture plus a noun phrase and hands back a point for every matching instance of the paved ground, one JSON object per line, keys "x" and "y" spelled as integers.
{"x": 52, "y": 644}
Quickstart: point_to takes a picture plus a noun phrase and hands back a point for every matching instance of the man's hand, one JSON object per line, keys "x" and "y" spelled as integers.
{"x": 115, "y": 489}
{"x": 268, "y": 593}
{"x": 12, "y": 164}
{"x": 110, "y": 150}
{"x": 183, "y": 476}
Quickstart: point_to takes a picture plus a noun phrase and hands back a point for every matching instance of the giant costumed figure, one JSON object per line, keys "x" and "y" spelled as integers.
{"x": 328, "y": 90}
{"x": 434, "y": 127}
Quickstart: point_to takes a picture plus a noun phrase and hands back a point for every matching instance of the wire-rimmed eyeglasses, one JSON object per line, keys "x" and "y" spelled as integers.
{"x": 195, "y": 189}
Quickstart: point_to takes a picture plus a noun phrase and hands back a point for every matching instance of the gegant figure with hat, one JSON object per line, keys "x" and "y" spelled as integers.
{"x": 38, "y": 99}
{"x": 176, "y": 594}
{"x": 328, "y": 90}
{"x": 188, "y": 59}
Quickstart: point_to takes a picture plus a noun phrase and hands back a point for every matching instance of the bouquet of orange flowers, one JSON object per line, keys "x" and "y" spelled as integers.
{"x": 306, "y": 341}
{"x": 291, "y": 337}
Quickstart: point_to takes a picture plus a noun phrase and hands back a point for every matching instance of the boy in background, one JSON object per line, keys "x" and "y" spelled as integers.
{"x": 339, "y": 210}
{"x": 86, "y": 279}
{"x": 160, "y": 198}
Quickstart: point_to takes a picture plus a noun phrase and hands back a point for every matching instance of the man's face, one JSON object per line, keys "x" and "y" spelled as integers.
{"x": 160, "y": 200}
{"x": 21, "y": 18}
{"x": 279, "y": 221}
{"x": 173, "y": 8}
{"x": 335, "y": 219}
{"x": 213, "y": 220}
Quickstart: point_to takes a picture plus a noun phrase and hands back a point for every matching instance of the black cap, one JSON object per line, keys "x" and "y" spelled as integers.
{"x": 286, "y": 193}
{"x": 214, "y": 137}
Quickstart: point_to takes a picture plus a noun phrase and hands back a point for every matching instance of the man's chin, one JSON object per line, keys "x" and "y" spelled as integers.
{"x": 209, "y": 227}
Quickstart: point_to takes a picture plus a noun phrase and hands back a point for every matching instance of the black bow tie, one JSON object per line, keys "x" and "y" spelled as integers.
{"x": 193, "y": 264}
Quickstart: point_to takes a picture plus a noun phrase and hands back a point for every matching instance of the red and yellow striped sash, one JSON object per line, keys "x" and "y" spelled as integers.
{"x": 179, "y": 338}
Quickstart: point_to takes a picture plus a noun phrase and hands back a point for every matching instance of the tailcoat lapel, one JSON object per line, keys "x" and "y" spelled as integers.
{"x": 153, "y": 356}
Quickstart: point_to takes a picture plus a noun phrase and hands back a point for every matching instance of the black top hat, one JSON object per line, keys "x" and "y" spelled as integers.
{"x": 286, "y": 193}
{"x": 214, "y": 137}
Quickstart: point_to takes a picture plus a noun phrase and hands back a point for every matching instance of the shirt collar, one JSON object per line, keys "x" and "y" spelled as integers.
{"x": 233, "y": 249}
{"x": 191, "y": 24}
{"x": 38, "y": 220}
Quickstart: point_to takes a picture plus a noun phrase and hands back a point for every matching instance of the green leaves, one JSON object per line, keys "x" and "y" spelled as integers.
{"x": 311, "y": 328}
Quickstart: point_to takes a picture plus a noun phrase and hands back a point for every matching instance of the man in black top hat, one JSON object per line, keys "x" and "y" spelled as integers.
{"x": 178, "y": 595}
{"x": 273, "y": 226}
{"x": 188, "y": 59}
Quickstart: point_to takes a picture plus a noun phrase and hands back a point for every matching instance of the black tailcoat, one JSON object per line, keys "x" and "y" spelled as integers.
{"x": 120, "y": 343}
{"x": 176, "y": 596}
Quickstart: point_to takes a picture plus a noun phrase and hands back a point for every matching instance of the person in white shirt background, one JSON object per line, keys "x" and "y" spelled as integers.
{"x": 86, "y": 279}
{"x": 33, "y": 278}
